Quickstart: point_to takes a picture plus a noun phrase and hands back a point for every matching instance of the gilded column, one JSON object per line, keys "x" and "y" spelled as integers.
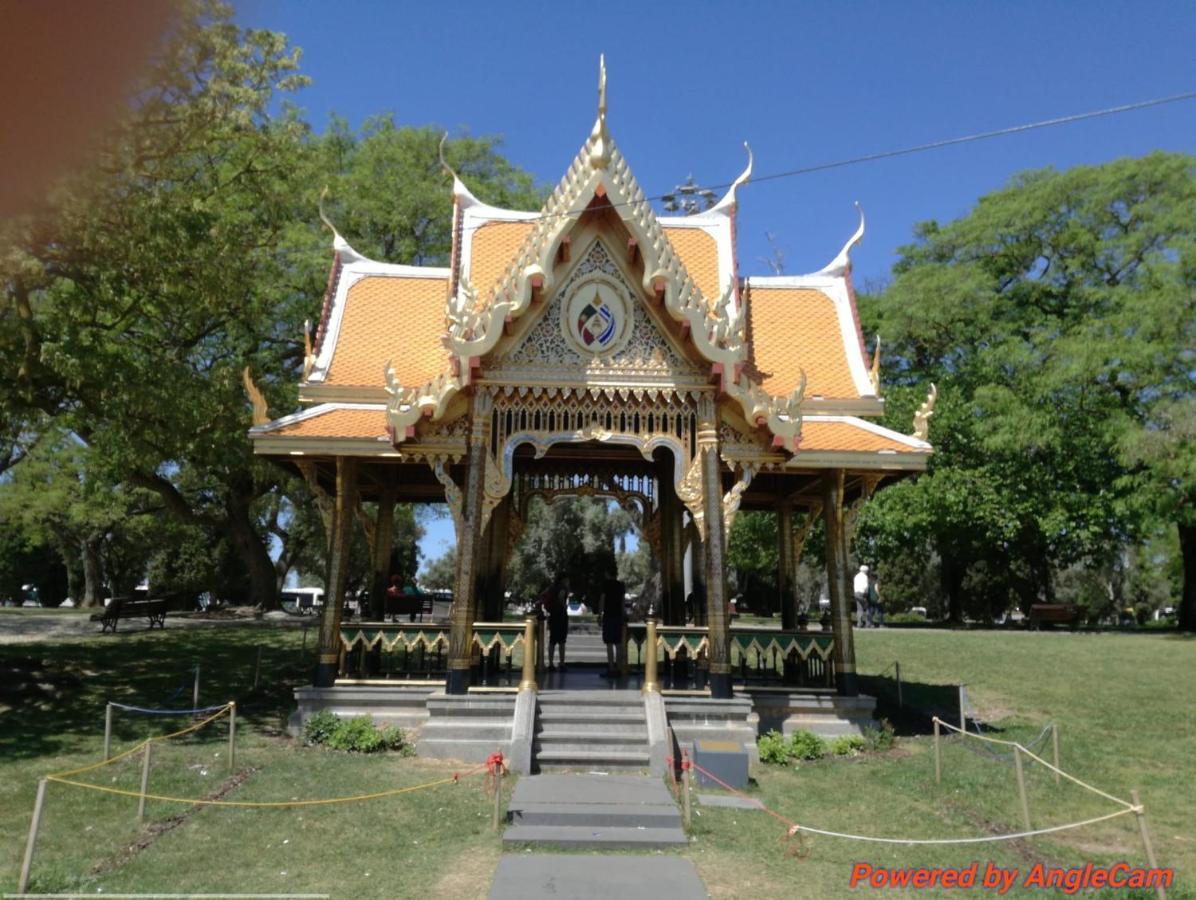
{"x": 384, "y": 527}
{"x": 338, "y": 560}
{"x": 469, "y": 547}
{"x": 839, "y": 582}
{"x": 716, "y": 569}
{"x": 786, "y": 566}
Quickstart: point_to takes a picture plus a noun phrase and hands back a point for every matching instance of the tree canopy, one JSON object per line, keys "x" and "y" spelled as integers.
{"x": 1058, "y": 320}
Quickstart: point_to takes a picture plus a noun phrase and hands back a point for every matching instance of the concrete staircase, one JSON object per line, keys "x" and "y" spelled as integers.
{"x": 593, "y": 812}
{"x": 404, "y": 705}
{"x": 603, "y": 731}
{"x": 468, "y": 727}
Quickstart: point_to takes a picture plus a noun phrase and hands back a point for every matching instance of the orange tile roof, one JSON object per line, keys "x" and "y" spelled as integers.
{"x": 338, "y": 423}
{"x": 790, "y": 329}
{"x": 699, "y": 254}
{"x": 493, "y": 249}
{"x": 395, "y": 319}
{"x": 847, "y": 437}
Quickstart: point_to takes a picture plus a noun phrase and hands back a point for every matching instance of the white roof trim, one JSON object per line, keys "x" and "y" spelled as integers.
{"x": 350, "y": 274}
{"x": 313, "y": 413}
{"x": 912, "y": 442}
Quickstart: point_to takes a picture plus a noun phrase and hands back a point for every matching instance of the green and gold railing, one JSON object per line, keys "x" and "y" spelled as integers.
{"x": 798, "y": 658}
{"x": 388, "y": 650}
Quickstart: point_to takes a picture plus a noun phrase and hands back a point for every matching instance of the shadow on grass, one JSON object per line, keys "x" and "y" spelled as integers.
{"x": 919, "y": 704}
{"x": 53, "y": 694}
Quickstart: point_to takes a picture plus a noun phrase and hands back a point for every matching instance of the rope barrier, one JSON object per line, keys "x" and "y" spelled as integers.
{"x": 144, "y": 710}
{"x": 1088, "y": 787}
{"x": 223, "y": 710}
{"x": 796, "y": 828}
{"x": 265, "y": 804}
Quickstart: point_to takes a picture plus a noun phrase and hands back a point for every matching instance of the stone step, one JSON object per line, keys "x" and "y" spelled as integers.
{"x": 595, "y": 837}
{"x": 597, "y": 753}
{"x": 556, "y": 735}
{"x": 467, "y": 729}
{"x": 612, "y": 815}
{"x": 596, "y": 728}
{"x": 559, "y": 715}
{"x": 588, "y": 759}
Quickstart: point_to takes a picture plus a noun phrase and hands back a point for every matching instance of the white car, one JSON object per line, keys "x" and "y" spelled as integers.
{"x": 576, "y": 608}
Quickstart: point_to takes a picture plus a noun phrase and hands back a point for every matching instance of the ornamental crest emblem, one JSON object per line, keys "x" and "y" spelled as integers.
{"x": 597, "y": 316}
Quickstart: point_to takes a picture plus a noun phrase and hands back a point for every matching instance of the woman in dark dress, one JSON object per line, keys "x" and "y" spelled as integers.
{"x": 614, "y": 617}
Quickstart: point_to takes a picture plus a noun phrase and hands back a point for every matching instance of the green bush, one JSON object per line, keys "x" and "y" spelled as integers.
{"x": 319, "y": 727}
{"x": 806, "y": 745}
{"x": 774, "y": 749}
{"x": 905, "y": 618}
{"x": 877, "y": 740}
{"x": 847, "y": 745}
{"x": 356, "y": 735}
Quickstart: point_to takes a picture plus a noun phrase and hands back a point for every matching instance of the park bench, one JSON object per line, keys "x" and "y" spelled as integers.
{"x": 409, "y": 605}
{"x": 119, "y": 608}
{"x": 1052, "y": 613}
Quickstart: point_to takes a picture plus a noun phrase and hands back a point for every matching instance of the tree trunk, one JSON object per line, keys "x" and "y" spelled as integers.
{"x": 93, "y": 573}
{"x": 252, "y": 551}
{"x": 952, "y": 576}
{"x": 1187, "y": 603}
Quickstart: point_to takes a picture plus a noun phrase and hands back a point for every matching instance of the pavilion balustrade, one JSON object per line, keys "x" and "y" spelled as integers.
{"x": 758, "y": 655}
{"x": 420, "y": 652}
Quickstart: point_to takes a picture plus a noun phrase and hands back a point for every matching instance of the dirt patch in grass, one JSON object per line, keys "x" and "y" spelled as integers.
{"x": 470, "y": 874}
{"x": 157, "y": 829}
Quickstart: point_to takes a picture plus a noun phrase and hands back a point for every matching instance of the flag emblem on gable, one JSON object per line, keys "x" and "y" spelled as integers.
{"x": 596, "y": 325}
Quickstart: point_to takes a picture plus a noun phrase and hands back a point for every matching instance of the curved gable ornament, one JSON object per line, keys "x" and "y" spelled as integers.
{"x": 717, "y": 326}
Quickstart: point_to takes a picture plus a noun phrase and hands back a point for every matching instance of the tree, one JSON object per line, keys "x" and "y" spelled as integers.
{"x": 189, "y": 251}
{"x": 441, "y": 572}
{"x": 1058, "y": 320}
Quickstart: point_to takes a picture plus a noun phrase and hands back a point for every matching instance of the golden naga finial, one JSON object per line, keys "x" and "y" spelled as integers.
{"x": 922, "y": 416}
{"x": 261, "y": 415}
{"x": 309, "y": 358}
{"x": 600, "y": 150}
{"x": 874, "y": 372}
{"x": 323, "y": 215}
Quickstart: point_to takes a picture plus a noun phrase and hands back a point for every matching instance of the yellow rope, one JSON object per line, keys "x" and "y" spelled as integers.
{"x": 274, "y": 804}
{"x": 134, "y": 749}
{"x": 1036, "y": 758}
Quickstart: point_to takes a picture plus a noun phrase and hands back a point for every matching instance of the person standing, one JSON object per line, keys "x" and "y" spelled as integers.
{"x": 554, "y": 602}
{"x": 614, "y": 618}
{"x": 859, "y": 590}
{"x": 876, "y": 612}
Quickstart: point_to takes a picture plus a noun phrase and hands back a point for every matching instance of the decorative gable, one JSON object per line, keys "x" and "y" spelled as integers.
{"x": 595, "y": 331}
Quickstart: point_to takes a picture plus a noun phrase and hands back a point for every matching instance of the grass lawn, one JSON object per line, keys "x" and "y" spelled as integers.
{"x": 1125, "y": 722}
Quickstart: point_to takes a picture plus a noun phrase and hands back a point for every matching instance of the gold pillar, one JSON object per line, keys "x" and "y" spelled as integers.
{"x": 469, "y": 546}
{"x": 839, "y": 582}
{"x": 786, "y": 566}
{"x": 384, "y": 527}
{"x": 338, "y": 560}
{"x": 717, "y": 619}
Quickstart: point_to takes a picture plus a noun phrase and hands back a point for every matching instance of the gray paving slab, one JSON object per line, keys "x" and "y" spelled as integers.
{"x": 631, "y": 790}
{"x": 595, "y": 837}
{"x": 729, "y": 800}
{"x": 568, "y": 877}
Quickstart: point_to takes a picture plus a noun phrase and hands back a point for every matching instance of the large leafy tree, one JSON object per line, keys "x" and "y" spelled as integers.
{"x": 190, "y": 250}
{"x": 1059, "y": 321}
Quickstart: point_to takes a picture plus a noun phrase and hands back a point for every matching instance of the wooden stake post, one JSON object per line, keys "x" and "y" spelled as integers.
{"x": 1140, "y": 815}
{"x": 34, "y": 825}
{"x": 232, "y": 736}
{"x": 1055, "y": 748}
{"x": 1021, "y": 785}
{"x": 938, "y": 757}
{"x": 257, "y": 669}
{"x": 145, "y": 772}
{"x": 498, "y": 773}
{"x": 195, "y": 691}
{"x": 107, "y": 732}
{"x": 897, "y": 669}
{"x": 685, "y": 782}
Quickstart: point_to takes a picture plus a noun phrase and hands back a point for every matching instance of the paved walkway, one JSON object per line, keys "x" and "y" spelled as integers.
{"x": 628, "y": 812}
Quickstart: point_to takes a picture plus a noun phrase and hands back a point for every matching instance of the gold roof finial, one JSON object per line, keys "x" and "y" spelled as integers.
{"x": 600, "y": 137}
{"x": 260, "y": 413}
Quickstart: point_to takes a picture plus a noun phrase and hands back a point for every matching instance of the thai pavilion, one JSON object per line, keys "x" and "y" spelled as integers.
{"x": 595, "y": 347}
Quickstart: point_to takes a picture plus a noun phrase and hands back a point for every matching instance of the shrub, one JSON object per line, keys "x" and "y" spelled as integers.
{"x": 847, "y": 745}
{"x": 877, "y": 740}
{"x": 319, "y": 727}
{"x": 356, "y": 735}
{"x": 774, "y": 748}
{"x": 806, "y": 745}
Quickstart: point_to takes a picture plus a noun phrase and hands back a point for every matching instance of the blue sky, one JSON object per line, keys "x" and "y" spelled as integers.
{"x": 803, "y": 83}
